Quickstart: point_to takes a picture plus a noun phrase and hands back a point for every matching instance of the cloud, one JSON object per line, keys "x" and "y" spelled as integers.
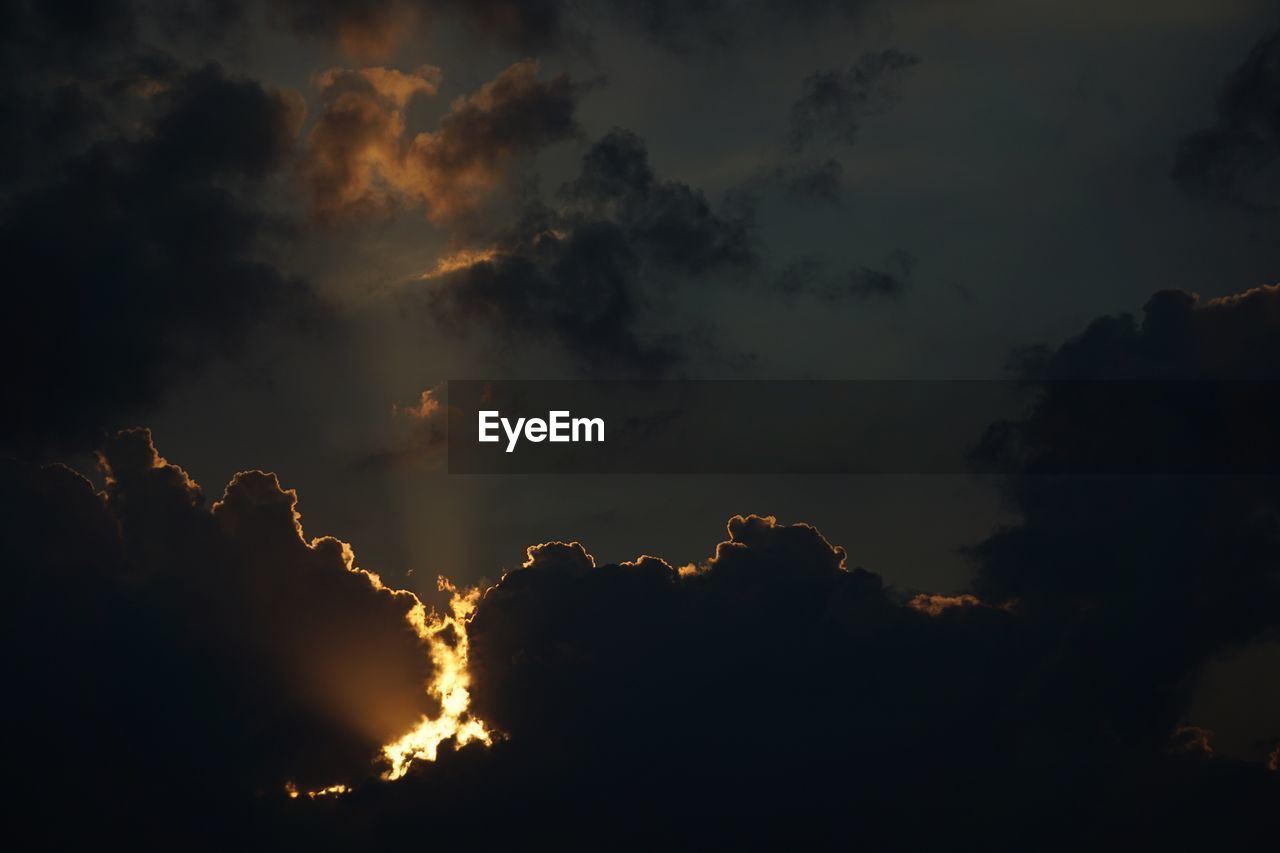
{"x": 779, "y": 683}
{"x": 1238, "y": 157}
{"x": 387, "y": 85}
{"x": 821, "y": 183}
{"x": 1180, "y": 336}
{"x": 180, "y": 661}
{"x": 774, "y": 684}
{"x": 423, "y": 434}
{"x": 178, "y": 652}
{"x": 834, "y": 104}
{"x": 368, "y": 31}
{"x": 867, "y": 283}
{"x": 131, "y": 224}
{"x": 359, "y": 158}
{"x": 372, "y": 31}
{"x": 1151, "y": 576}
{"x": 583, "y": 275}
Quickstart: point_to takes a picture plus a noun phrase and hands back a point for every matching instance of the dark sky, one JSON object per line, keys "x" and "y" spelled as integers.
{"x": 1011, "y": 179}
{"x": 264, "y": 231}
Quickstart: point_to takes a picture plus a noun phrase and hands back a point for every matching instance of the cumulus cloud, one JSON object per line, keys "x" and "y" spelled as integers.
{"x": 359, "y": 157}
{"x": 209, "y": 647}
{"x": 778, "y": 682}
{"x": 775, "y": 683}
{"x": 132, "y": 224}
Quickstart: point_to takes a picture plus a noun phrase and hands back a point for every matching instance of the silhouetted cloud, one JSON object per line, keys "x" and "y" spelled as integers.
{"x": 772, "y": 684}
{"x": 214, "y": 649}
{"x": 129, "y": 220}
{"x": 580, "y": 275}
{"x": 1150, "y": 576}
{"x": 776, "y": 682}
{"x": 1238, "y": 157}
{"x": 174, "y": 662}
{"x": 886, "y": 283}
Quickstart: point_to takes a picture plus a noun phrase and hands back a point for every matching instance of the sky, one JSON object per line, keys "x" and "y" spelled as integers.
{"x": 250, "y": 243}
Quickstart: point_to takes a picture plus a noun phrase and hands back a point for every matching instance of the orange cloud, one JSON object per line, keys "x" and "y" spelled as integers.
{"x": 936, "y": 605}
{"x": 359, "y": 158}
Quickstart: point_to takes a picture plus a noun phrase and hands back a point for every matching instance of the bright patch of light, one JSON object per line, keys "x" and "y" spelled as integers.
{"x": 451, "y": 686}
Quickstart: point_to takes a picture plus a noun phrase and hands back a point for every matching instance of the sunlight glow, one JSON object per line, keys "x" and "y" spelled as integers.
{"x": 451, "y": 685}
{"x": 329, "y": 791}
{"x": 459, "y": 260}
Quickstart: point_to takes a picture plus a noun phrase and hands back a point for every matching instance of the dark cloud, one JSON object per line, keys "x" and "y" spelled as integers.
{"x": 373, "y": 30}
{"x": 173, "y": 663}
{"x": 366, "y": 30}
{"x": 886, "y": 283}
{"x": 130, "y": 223}
{"x": 670, "y": 221}
{"x": 682, "y": 26}
{"x": 1150, "y": 576}
{"x": 769, "y": 688}
{"x": 820, "y": 183}
{"x": 358, "y": 157}
{"x": 834, "y": 104}
{"x": 172, "y": 653}
{"x": 775, "y": 690}
{"x": 797, "y": 277}
{"x": 1180, "y": 336}
{"x": 775, "y": 682}
{"x": 1238, "y": 157}
{"x": 525, "y": 24}
{"x": 585, "y": 274}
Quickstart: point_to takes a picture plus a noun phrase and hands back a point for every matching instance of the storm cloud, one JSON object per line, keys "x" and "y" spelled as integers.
{"x": 200, "y": 671}
{"x": 212, "y": 644}
{"x": 774, "y": 679}
{"x": 586, "y": 273}
{"x": 132, "y": 229}
{"x": 371, "y": 31}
